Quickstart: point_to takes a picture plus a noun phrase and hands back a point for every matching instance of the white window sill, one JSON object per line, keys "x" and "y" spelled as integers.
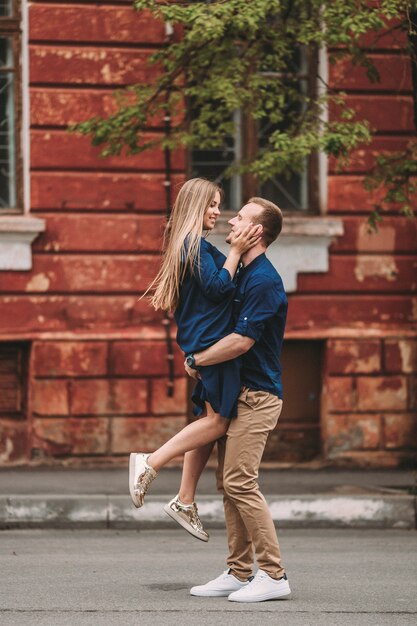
{"x": 16, "y": 235}
{"x": 303, "y": 245}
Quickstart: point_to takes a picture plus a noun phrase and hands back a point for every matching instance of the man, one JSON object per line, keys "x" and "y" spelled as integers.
{"x": 260, "y": 314}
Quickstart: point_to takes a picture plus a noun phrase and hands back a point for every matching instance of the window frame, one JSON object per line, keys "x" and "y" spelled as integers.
{"x": 248, "y": 142}
{"x": 11, "y": 26}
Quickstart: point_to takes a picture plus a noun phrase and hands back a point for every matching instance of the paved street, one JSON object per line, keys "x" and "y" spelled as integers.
{"x": 108, "y": 578}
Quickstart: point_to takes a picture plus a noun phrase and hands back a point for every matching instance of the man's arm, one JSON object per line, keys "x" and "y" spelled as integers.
{"x": 225, "y": 349}
{"x": 262, "y": 301}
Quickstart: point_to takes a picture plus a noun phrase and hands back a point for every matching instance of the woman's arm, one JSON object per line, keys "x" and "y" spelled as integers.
{"x": 215, "y": 283}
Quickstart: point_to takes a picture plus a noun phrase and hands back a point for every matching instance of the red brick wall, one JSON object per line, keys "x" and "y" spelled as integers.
{"x": 368, "y": 297}
{"x": 98, "y": 366}
{"x": 102, "y": 397}
{"x": 371, "y": 278}
{"x": 104, "y": 216}
{"x": 369, "y": 400}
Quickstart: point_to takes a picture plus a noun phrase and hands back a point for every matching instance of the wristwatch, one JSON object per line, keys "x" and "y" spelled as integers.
{"x": 190, "y": 360}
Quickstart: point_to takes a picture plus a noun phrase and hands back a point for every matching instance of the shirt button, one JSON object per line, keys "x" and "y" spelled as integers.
{"x": 245, "y": 318}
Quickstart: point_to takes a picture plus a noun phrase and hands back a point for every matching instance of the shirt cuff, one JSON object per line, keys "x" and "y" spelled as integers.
{"x": 247, "y": 329}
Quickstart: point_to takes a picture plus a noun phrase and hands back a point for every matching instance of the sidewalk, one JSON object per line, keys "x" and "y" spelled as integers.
{"x": 66, "y": 497}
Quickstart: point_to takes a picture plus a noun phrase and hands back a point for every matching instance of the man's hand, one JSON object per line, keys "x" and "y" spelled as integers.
{"x": 191, "y": 372}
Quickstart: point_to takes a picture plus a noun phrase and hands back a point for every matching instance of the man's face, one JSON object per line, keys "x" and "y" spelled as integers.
{"x": 247, "y": 214}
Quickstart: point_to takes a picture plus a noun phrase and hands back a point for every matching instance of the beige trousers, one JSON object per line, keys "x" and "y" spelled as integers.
{"x": 249, "y": 522}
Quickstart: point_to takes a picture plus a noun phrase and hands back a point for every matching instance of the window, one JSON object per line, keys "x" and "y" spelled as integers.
{"x": 10, "y": 170}
{"x": 13, "y": 380}
{"x": 297, "y": 438}
{"x": 297, "y": 193}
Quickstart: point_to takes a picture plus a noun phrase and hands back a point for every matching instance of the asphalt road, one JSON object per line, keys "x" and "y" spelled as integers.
{"x": 108, "y": 578}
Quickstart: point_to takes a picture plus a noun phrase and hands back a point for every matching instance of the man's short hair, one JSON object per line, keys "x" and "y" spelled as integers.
{"x": 270, "y": 218}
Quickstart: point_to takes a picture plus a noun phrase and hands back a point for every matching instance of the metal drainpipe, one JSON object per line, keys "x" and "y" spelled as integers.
{"x": 169, "y": 31}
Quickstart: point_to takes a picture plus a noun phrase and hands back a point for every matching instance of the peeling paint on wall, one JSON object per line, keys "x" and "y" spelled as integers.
{"x": 379, "y": 267}
{"x": 39, "y": 282}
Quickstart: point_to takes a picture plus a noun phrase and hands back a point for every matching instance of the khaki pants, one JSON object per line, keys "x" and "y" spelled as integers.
{"x": 248, "y": 519}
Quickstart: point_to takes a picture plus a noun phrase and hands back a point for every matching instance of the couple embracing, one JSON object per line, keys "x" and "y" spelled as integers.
{"x": 230, "y": 314}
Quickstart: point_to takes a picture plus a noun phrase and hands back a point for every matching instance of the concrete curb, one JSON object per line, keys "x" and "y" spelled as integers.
{"x": 301, "y": 511}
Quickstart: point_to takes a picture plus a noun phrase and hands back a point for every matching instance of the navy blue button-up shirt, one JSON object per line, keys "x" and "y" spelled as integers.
{"x": 260, "y": 312}
{"x": 204, "y": 312}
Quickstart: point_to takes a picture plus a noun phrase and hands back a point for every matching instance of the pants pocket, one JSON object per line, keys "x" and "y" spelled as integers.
{"x": 254, "y": 399}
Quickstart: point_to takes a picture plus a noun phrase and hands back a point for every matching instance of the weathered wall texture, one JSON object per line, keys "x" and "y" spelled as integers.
{"x": 369, "y": 412}
{"x": 369, "y": 400}
{"x": 98, "y": 367}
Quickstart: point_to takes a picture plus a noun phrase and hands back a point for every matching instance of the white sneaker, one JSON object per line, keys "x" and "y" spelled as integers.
{"x": 140, "y": 477}
{"x": 262, "y": 587}
{"x": 223, "y": 585}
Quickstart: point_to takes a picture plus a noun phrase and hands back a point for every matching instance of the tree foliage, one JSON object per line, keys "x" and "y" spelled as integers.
{"x": 244, "y": 55}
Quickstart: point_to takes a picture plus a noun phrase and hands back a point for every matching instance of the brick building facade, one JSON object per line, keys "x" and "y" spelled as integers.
{"x": 83, "y": 363}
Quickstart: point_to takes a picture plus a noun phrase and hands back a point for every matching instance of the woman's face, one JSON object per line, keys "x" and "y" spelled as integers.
{"x": 212, "y": 213}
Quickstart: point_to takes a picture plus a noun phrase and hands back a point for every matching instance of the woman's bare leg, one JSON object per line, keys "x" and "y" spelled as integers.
{"x": 195, "y": 435}
{"x": 194, "y": 463}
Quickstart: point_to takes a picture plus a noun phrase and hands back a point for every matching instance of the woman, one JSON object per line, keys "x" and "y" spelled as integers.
{"x": 196, "y": 281}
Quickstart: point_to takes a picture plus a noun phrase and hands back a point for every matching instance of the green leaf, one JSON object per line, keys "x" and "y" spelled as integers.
{"x": 236, "y": 55}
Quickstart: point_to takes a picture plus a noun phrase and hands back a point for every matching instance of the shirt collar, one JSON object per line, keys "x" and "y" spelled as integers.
{"x": 256, "y": 261}
{"x": 244, "y": 269}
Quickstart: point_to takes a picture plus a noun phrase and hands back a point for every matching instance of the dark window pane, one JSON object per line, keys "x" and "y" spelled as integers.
{"x": 289, "y": 194}
{"x": 206, "y": 165}
{"x": 6, "y": 53}
{"x": 6, "y": 8}
{"x": 7, "y": 142}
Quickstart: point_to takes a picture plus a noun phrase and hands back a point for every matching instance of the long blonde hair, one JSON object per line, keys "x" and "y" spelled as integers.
{"x": 185, "y": 225}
